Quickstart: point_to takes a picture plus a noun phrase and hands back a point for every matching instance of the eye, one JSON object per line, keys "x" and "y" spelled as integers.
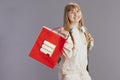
{"x": 71, "y": 12}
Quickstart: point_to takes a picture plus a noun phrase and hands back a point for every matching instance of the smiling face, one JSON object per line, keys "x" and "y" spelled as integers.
{"x": 74, "y": 15}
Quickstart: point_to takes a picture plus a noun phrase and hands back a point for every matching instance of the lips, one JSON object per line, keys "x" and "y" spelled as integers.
{"x": 76, "y": 18}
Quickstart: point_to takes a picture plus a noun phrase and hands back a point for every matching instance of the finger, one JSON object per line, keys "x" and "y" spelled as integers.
{"x": 91, "y": 39}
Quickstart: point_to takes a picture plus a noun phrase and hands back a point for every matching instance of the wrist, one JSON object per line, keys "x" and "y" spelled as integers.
{"x": 66, "y": 35}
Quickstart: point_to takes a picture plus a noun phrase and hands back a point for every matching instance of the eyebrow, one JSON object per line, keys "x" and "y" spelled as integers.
{"x": 76, "y": 10}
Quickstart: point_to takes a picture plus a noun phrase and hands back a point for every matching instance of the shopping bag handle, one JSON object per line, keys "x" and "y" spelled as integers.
{"x": 56, "y": 28}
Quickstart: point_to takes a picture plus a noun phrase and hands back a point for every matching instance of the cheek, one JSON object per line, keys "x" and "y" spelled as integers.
{"x": 71, "y": 19}
{"x": 80, "y": 15}
{"x": 70, "y": 16}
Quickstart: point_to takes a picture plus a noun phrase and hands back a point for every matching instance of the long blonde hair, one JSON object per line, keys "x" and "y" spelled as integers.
{"x": 70, "y": 6}
{"x": 66, "y": 23}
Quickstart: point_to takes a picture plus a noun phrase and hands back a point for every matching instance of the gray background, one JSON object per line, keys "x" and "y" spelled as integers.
{"x": 21, "y": 20}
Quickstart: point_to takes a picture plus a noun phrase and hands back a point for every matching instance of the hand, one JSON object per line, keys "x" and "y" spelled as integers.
{"x": 90, "y": 38}
{"x": 63, "y": 31}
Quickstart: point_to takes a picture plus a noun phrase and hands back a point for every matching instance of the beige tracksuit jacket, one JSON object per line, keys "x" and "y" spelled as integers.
{"x": 75, "y": 60}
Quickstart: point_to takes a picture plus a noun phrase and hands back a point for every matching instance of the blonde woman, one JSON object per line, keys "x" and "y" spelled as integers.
{"x": 74, "y": 61}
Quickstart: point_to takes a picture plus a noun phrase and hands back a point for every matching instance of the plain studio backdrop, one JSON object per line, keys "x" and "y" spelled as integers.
{"x": 20, "y": 23}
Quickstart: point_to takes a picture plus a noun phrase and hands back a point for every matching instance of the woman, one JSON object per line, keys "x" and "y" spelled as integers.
{"x": 73, "y": 65}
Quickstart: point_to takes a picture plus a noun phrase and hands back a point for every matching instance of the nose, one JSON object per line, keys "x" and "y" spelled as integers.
{"x": 76, "y": 13}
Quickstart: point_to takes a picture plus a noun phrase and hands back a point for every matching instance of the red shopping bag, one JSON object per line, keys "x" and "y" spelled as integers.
{"x": 48, "y": 47}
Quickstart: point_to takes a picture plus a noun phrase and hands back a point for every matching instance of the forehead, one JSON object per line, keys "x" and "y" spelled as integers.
{"x": 72, "y": 8}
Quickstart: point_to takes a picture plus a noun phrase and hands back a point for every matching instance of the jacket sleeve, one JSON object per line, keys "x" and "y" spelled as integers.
{"x": 91, "y": 44}
{"x": 68, "y": 47}
{"x": 67, "y": 50}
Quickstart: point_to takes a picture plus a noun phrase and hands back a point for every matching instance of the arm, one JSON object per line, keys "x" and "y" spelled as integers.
{"x": 90, "y": 38}
{"x": 90, "y": 45}
{"x": 67, "y": 50}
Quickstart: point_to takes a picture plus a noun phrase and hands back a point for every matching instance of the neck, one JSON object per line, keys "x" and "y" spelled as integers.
{"x": 74, "y": 24}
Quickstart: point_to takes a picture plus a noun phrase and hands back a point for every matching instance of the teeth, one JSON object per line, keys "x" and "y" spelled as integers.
{"x": 47, "y": 48}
